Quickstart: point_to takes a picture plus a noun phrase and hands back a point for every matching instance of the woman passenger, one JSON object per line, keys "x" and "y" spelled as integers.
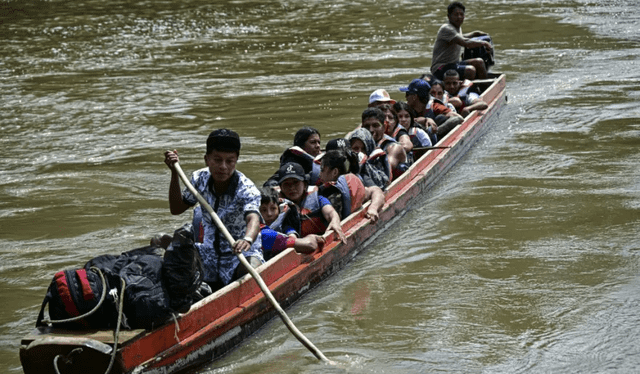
{"x": 316, "y": 213}
{"x": 394, "y": 129}
{"x": 419, "y": 137}
{"x": 308, "y": 139}
{"x": 344, "y": 188}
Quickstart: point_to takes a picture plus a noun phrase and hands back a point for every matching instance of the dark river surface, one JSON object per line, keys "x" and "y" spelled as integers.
{"x": 525, "y": 257}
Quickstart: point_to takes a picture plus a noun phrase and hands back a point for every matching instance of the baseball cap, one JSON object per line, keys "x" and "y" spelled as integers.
{"x": 418, "y": 87}
{"x": 380, "y": 95}
{"x": 291, "y": 170}
{"x": 338, "y": 143}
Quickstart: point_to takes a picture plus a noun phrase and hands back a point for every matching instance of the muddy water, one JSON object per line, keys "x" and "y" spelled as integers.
{"x": 523, "y": 258}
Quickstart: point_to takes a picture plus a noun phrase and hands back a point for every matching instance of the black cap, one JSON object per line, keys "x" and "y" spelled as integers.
{"x": 224, "y": 140}
{"x": 291, "y": 170}
{"x": 339, "y": 143}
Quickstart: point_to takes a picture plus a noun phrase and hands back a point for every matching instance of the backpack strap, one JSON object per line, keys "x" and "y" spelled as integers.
{"x": 87, "y": 292}
{"x": 66, "y": 291}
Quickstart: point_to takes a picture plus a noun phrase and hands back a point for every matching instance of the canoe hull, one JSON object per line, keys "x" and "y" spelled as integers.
{"x": 216, "y": 324}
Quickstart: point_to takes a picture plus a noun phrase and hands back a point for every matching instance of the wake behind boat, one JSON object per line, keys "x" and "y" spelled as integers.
{"x": 216, "y": 324}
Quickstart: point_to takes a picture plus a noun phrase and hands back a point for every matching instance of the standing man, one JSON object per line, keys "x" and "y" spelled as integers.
{"x": 449, "y": 43}
{"x": 233, "y": 197}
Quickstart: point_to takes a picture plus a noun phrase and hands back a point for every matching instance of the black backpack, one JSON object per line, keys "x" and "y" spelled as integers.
{"x": 89, "y": 297}
{"x": 74, "y": 293}
{"x": 481, "y": 52}
{"x": 182, "y": 273}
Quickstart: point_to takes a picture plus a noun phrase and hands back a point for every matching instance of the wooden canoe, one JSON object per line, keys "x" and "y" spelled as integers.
{"x": 216, "y": 324}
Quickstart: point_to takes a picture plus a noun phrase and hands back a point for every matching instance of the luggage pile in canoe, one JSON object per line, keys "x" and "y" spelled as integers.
{"x": 217, "y": 323}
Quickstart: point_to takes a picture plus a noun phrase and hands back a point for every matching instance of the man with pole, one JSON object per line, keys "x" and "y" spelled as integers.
{"x": 217, "y": 181}
{"x": 234, "y": 198}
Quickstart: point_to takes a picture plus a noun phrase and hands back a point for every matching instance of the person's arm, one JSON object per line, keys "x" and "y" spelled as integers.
{"x": 376, "y": 196}
{"x": 176, "y": 204}
{"x": 253, "y": 227}
{"x": 470, "y": 43}
{"x": 333, "y": 218}
{"x": 478, "y": 104}
{"x": 308, "y": 244}
{"x": 405, "y": 140}
{"x": 474, "y": 34}
{"x": 427, "y": 123}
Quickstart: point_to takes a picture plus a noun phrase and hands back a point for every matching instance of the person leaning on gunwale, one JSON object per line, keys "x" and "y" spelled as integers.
{"x": 233, "y": 197}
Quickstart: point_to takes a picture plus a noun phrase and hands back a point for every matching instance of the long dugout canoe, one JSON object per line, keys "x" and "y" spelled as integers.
{"x": 216, "y": 324}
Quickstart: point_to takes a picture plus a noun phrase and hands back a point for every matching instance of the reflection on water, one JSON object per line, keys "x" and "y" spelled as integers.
{"x": 523, "y": 258}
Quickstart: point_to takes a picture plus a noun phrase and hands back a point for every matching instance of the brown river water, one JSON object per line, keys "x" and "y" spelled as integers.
{"x": 525, "y": 257}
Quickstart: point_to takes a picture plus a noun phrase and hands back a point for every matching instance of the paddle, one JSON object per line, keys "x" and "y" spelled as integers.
{"x": 430, "y": 148}
{"x": 294, "y": 330}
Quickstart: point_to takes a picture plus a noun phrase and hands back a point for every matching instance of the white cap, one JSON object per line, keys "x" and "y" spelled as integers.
{"x": 380, "y": 95}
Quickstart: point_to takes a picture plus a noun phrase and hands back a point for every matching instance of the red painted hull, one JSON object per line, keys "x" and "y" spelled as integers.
{"x": 218, "y": 323}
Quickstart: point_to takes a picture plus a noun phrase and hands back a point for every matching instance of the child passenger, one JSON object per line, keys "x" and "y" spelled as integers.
{"x": 277, "y": 234}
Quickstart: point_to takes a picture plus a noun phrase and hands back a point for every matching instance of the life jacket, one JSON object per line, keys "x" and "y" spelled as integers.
{"x": 396, "y": 131}
{"x": 346, "y": 194}
{"x": 465, "y": 89}
{"x": 311, "y": 219}
{"x": 419, "y": 137}
{"x": 386, "y": 141}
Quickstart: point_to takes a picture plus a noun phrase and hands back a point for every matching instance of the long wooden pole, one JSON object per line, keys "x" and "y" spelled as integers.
{"x": 294, "y": 330}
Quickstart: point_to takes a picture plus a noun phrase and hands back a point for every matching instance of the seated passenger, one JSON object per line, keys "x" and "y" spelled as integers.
{"x": 461, "y": 97}
{"x": 419, "y": 137}
{"x": 343, "y": 187}
{"x": 380, "y": 97}
{"x": 437, "y": 116}
{"x": 308, "y": 139}
{"x": 374, "y": 120}
{"x": 374, "y": 166}
{"x": 395, "y": 129}
{"x": 438, "y": 92}
{"x": 316, "y": 213}
{"x": 306, "y": 146}
{"x": 277, "y": 231}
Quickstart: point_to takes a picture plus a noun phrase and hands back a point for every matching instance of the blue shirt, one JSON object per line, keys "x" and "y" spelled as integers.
{"x": 232, "y": 206}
